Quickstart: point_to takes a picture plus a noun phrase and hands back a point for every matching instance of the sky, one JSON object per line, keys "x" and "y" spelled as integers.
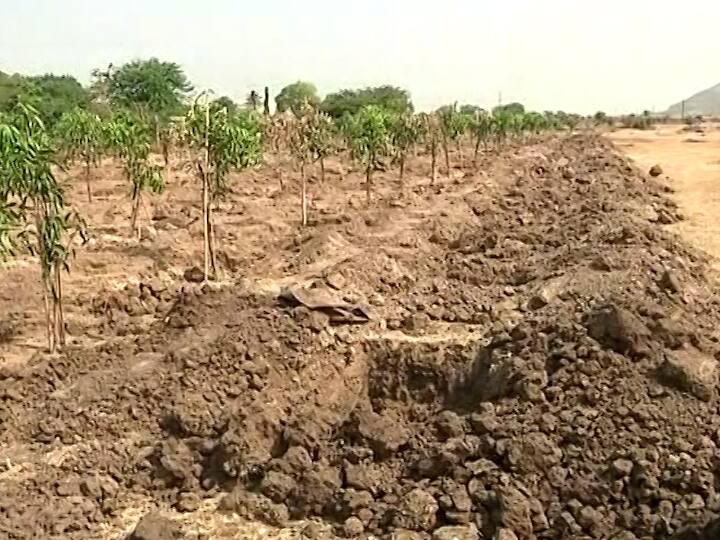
{"x": 618, "y": 56}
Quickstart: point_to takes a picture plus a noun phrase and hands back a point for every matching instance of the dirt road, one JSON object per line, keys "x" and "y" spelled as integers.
{"x": 691, "y": 161}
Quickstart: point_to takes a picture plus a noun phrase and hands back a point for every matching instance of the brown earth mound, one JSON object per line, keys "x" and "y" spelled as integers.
{"x": 582, "y": 402}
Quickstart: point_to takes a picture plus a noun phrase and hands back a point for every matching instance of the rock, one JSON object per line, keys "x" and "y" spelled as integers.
{"x": 153, "y": 526}
{"x": 417, "y": 322}
{"x": 255, "y": 506}
{"x": 400, "y": 534}
{"x": 277, "y": 486}
{"x": 194, "y": 275}
{"x": 417, "y": 511}
{"x": 456, "y": 532}
{"x": 353, "y": 527}
{"x": 670, "y": 282}
{"x": 504, "y": 534}
{"x": 692, "y": 371}
{"x": 622, "y": 467}
{"x": 514, "y": 511}
{"x": 383, "y": 434}
{"x": 655, "y": 171}
{"x": 619, "y": 330}
{"x": 366, "y": 477}
{"x": 188, "y": 502}
{"x": 450, "y": 425}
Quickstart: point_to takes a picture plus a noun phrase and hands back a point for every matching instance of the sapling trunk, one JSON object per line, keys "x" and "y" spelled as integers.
{"x": 476, "y": 152}
{"x": 461, "y": 157}
{"x": 59, "y": 315}
{"x": 303, "y": 189}
{"x": 322, "y": 169}
{"x": 206, "y": 194}
{"x": 368, "y": 183}
{"x": 402, "y": 168}
{"x": 211, "y": 242}
{"x": 433, "y": 160}
{"x": 447, "y": 154}
{"x": 87, "y": 179}
{"x": 134, "y": 226}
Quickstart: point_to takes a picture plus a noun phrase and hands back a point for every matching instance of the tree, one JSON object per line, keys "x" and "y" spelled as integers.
{"x": 130, "y": 137}
{"x": 510, "y": 108}
{"x": 155, "y": 87}
{"x": 81, "y": 136}
{"x": 226, "y": 142}
{"x": 452, "y": 126}
{"x": 49, "y": 95}
{"x": 369, "y": 133}
{"x": 431, "y": 129}
{"x": 26, "y": 159}
{"x": 406, "y": 130}
{"x": 224, "y": 102}
{"x": 252, "y": 101}
{"x": 294, "y": 96}
{"x": 390, "y": 98}
{"x": 311, "y": 139}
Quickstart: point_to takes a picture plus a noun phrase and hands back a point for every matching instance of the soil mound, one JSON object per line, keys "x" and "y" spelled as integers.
{"x": 587, "y": 409}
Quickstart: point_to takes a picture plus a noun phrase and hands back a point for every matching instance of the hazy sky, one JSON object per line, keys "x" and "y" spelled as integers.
{"x": 612, "y": 55}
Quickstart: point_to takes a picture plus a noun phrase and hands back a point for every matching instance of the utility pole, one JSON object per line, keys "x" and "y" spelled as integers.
{"x": 682, "y": 110}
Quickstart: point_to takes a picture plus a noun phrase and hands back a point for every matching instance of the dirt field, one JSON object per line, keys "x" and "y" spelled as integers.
{"x": 523, "y": 351}
{"x": 691, "y": 164}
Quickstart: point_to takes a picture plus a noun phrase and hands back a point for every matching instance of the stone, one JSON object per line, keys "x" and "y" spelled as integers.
{"x": 456, "y": 532}
{"x": 622, "y": 467}
{"x": 153, "y": 526}
{"x": 450, "y": 425}
{"x": 188, "y": 502}
{"x": 277, "y": 486}
{"x": 655, "y": 171}
{"x": 353, "y": 527}
{"x": 194, "y": 275}
{"x": 505, "y": 534}
{"x": 619, "y": 330}
{"x": 514, "y": 511}
{"x": 417, "y": 511}
{"x": 691, "y": 371}
{"x": 670, "y": 282}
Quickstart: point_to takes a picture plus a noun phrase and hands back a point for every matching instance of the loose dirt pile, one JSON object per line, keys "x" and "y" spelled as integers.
{"x": 541, "y": 363}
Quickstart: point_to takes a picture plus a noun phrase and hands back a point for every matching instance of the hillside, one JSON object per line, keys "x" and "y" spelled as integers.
{"x": 705, "y": 103}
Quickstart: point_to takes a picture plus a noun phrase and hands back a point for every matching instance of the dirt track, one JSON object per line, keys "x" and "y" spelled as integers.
{"x": 540, "y": 363}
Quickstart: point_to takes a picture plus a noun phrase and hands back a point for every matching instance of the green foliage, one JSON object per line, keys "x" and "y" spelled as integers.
{"x": 369, "y": 134}
{"x": 226, "y": 103}
{"x": 130, "y": 138}
{"x": 405, "y": 130}
{"x": 295, "y": 96}
{"x": 390, "y": 98}
{"x": 150, "y": 85}
{"x": 453, "y": 123}
{"x": 80, "y": 135}
{"x": 472, "y": 111}
{"x": 30, "y": 194}
{"x": 233, "y": 141}
{"x": 49, "y": 95}
{"x": 510, "y": 108}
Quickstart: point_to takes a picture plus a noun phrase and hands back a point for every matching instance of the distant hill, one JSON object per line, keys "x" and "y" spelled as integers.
{"x": 705, "y": 103}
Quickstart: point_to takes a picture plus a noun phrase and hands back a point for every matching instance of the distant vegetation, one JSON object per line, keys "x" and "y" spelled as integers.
{"x": 134, "y": 112}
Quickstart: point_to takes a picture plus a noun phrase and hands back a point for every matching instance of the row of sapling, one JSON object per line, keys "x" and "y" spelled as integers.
{"x": 222, "y": 141}
{"x": 33, "y": 212}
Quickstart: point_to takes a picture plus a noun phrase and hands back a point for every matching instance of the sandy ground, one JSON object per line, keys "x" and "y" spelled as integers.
{"x": 691, "y": 164}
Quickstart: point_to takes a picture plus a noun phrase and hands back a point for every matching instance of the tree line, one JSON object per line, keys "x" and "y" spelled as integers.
{"x": 143, "y": 108}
